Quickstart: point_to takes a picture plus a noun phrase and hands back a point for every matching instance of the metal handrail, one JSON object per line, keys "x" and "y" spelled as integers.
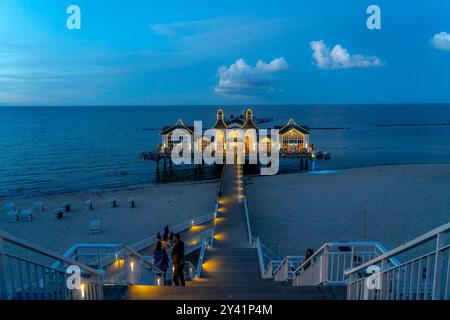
{"x": 404, "y": 247}
{"x": 286, "y": 260}
{"x": 36, "y": 248}
{"x": 314, "y": 257}
{"x": 220, "y": 186}
{"x": 141, "y": 258}
{"x": 260, "y": 257}
{"x": 200, "y": 258}
{"x": 249, "y": 230}
{"x": 147, "y": 242}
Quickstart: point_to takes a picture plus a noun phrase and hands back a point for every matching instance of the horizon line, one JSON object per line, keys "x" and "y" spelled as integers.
{"x": 226, "y": 105}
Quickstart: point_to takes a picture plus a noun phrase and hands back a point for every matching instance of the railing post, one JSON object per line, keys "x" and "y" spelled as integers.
{"x": 3, "y": 288}
{"x": 384, "y": 278}
{"x": 438, "y": 265}
{"x": 324, "y": 265}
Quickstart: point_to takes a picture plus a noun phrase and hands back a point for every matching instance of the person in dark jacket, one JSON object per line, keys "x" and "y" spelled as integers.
{"x": 160, "y": 258}
{"x": 178, "y": 261}
{"x": 309, "y": 253}
{"x": 166, "y": 231}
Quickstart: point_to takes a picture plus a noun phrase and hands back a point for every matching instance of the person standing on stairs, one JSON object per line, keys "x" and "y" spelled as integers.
{"x": 178, "y": 261}
{"x": 161, "y": 259}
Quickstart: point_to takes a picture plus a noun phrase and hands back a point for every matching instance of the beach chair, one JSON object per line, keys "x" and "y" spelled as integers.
{"x": 131, "y": 203}
{"x": 89, "y": 205}
{"x": 10, "y": 207}
{"x": 38, "y": 206}
{"x": 66, "y": 206}
{"x": 113, "y": 202}
{"x": 25, "y": 215}
{"x": 95, "y": 226}
{"x": 58, "y": 214}
{"x": 12, "y": 216}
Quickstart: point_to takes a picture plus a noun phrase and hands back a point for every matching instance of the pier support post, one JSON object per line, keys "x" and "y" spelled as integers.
{"x": 306, "y": 164}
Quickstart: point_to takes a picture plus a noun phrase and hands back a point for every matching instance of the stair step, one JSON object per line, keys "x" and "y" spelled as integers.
{"x": 218, "y": 293}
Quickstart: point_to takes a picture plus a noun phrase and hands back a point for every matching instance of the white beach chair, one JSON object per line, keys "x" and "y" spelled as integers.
{"x": 89, "y": 205}
{"x": 66, "y": 206}
{"x": 25, "y": 215}
{"x": 58, "y": 214}
{"x": 95, "y": 226}
{"x": 113, "y": 202}
{"x": 131, "y": 203}
{"x": 38, "y": 206}
{"x": 12, "y": 216}
{"x": 10, "y": 207}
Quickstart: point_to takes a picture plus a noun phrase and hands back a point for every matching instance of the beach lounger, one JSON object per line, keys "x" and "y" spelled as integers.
{"x": 95, "y": 226}
{"x": 113, "y": 202}
{"x": 25, "y": 215}
{"x": 10, "y": 207}
{"x": 89, "y": 205}
{"x": 66, "y": 206}
{"x": 12, "y": 216}
{"x": 38, "y": 206}
{"x": 131, "y": 203}
{"x": 58, "y": 214}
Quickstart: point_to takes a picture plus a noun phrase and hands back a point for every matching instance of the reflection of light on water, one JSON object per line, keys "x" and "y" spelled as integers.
{"x": 324, "y": 171}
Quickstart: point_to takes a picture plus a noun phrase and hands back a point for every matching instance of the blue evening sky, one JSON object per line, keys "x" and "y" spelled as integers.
{"x": 145, "y": 52}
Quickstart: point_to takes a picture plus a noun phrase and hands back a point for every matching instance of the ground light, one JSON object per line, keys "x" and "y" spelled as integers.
{"x": 82, "y": 287}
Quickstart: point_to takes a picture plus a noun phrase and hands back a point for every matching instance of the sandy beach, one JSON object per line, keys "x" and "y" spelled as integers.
{"x": 293, "y": 212}
{"x": 156, "y": 206}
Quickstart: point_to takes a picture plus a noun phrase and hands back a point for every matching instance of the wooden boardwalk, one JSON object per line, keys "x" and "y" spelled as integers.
{"x": 230, "y": 269}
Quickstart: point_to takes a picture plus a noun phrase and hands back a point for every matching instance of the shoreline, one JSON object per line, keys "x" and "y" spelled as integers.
{"x": 132, "y": 187}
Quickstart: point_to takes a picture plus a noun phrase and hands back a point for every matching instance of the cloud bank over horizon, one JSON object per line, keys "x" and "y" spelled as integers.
{"x": 243, "y": 80}
{"x": 441, "y": 41}
{"x": 340, "y": 58}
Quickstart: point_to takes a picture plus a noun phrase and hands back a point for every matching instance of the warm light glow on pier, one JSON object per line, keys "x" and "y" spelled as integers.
{"x": 210, "y": 264}
{"x": 198, "y": 228}
{"x": 82, "y": 288}
{"x": 219, "y": 236}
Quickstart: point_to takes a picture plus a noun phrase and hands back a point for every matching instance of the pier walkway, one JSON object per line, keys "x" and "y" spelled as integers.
{"x": 230, "y": 269}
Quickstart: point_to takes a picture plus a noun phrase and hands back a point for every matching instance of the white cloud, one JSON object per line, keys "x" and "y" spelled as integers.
{"x": 441, "y": 41}
{"x": 340, "y": 58}
{"x": 243, "y": 80}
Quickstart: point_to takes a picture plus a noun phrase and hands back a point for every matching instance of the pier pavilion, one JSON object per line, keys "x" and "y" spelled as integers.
{"x": 294, "y": 139}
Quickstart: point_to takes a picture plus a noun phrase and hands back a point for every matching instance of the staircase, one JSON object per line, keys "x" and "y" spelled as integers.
{"x": 228, "y": 274}
{"x": 230, "y": 270}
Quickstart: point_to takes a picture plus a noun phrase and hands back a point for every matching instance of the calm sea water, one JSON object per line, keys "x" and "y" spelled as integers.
{"x": 64, "y": 149}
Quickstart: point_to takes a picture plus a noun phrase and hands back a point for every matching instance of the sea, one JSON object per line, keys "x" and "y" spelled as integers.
{"x": 46, "y": 150}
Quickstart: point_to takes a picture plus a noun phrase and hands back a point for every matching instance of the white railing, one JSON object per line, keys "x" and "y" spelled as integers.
{"x": 249, "y": 228}
{"x": 206, "y": 243}
{"x": 328, "y": 264}
{"x": 119, "y": 263}
{"x": 286, "y": 268}
{"x": 261, "y": 262}
{"x": 150, "y": 241}
{"x": 266, "y": 261}
{"x": 270, "y": 269}
{"x": 203, "y": 241}
{"x": 24, "y": 279}
{"x": 426, "y": 277}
